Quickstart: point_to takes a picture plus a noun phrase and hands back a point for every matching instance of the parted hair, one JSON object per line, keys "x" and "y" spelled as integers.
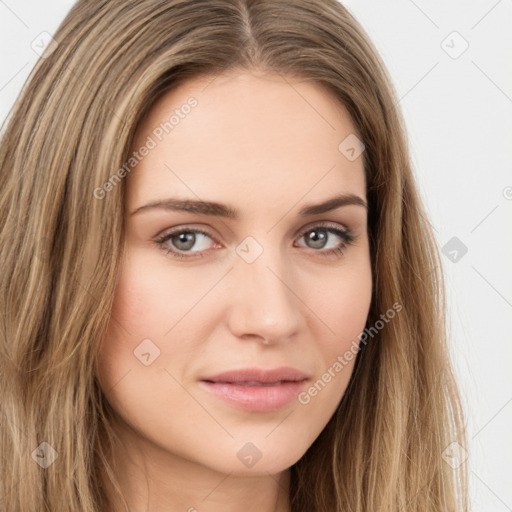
{"x": 72, "y": 127}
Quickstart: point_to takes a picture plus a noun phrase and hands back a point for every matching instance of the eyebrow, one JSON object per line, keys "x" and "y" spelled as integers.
{"x": 222, "y": 210}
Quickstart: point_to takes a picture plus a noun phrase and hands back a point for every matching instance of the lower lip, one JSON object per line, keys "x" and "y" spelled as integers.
{"x": 256, "y": 398}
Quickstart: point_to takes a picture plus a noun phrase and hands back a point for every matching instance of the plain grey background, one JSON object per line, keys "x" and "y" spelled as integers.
{"x": 451, "y": 63}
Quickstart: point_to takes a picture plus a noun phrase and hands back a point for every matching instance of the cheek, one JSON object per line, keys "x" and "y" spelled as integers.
{"x": 341, "y": 306}
{"x": 143, "y": 340}
{"x": 153, "y": 297}
{"x": 339, "y": 310}
{"x": 154, "y": 311}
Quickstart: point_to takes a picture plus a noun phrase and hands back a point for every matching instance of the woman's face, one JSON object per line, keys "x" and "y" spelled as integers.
{"x": 244, "y": 263}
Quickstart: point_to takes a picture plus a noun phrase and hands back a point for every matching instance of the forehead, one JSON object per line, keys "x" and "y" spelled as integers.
{"x": 253, "y": 139}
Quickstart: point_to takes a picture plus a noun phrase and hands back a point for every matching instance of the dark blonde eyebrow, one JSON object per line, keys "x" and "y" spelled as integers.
{"x": 223, "y": 210}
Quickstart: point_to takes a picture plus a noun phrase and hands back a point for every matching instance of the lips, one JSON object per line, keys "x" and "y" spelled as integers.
{"x": 257, "y": 390}
{"x": 255, "y": 376}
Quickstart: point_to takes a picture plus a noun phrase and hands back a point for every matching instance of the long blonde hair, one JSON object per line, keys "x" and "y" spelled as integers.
{"x": 72, "y": 126}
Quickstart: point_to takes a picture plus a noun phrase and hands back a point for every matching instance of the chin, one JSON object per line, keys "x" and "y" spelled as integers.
{"x": 260, "y": 458}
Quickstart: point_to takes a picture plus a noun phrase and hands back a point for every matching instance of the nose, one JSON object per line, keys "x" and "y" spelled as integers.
{"x": 263, "y": 302}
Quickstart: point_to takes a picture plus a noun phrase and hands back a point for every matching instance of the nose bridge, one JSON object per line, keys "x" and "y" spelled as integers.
{"x": 263, "y": 303}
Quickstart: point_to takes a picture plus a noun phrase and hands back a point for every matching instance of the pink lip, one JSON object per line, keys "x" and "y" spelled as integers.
{"x": 256, "y": 389}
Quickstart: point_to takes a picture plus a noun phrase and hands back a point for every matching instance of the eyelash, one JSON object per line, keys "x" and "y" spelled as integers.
{"x": 347, "y": 236}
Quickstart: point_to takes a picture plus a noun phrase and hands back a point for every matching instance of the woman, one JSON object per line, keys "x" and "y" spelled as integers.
{"x": 219, "y": 289}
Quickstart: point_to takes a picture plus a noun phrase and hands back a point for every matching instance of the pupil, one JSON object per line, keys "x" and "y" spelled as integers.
{"x": 187, "y": 239}
{"x": 318, "y": 238}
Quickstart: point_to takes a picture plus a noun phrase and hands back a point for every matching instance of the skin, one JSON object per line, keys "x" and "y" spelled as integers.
{"x": 265, "y": 146}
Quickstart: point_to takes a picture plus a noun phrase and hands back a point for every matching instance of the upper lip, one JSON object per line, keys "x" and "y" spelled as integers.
{"x": 283, "y": 373}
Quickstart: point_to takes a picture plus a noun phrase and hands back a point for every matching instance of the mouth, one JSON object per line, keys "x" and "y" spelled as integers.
{"x": 251, "y": 383}
{"x": 257, "y": 390}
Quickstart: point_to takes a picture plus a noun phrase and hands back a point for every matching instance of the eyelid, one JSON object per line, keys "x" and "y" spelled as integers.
{"x": 321, "y": 224}
{"x": 301, "y": 231}
{"x": 185, "y": 228}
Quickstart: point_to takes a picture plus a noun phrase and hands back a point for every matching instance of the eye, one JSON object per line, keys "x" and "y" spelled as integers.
{"x": 183, "y": 240}
{"x": 180, "y": 242}
{"x": 323, "y": 237}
